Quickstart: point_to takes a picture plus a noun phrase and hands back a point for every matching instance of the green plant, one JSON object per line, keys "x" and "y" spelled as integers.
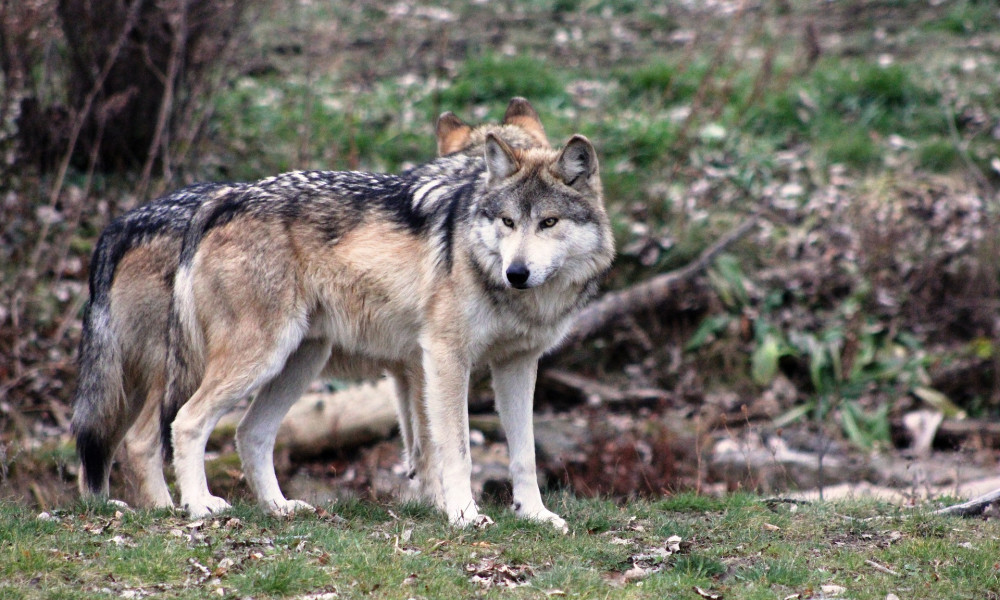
{"x": 494, "y": 78}
{"x": 938, "y": 155}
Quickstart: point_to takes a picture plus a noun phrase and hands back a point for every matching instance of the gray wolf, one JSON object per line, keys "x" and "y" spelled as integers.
{"x": 481, "y": 257}
{"x": 123, "y": 345}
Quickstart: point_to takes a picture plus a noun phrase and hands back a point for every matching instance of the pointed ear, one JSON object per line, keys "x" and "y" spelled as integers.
{"x": 577, "y": 162}
{"x": 500, "y": 160}
{"x": 452, "y": 134}
{"x": 521, "y": 114}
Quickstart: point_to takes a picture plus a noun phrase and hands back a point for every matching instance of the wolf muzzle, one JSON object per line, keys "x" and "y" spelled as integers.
{"x": 518, "y": 274}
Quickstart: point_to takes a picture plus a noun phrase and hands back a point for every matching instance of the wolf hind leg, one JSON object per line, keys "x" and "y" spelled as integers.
{"x": 143, "y": 454}
{"x": 258, "y": 429}
{"x": 228, "y": 378}
{"x": 404, "y": 413}
{"x": 418, "y": 447}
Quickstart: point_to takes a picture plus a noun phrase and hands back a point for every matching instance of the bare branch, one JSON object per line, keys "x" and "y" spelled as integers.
{"x": 973, "y": 507}
{"x": 615, "y": 305}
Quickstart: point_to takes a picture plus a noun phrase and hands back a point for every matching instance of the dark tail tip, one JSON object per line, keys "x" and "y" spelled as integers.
{"x": 167, "y": 414}
{"x": 94, "y": 459}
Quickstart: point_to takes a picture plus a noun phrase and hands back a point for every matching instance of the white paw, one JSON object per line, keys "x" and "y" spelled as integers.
{"x": 543, "y": 515}
{"x": 431, "y": 494}
{"x": 286, "y": 508}
{"x": 207, "y": 506}
{"x": 119, "y": 504}
{"x": 467, "y": 516}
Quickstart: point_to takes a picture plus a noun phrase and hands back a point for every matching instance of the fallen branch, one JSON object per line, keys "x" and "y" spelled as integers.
{"x": 595, "y": 392}
{"x": 615, "y": 305}
{"x": 973, "y": 507}
{"x": 321, "y": 422}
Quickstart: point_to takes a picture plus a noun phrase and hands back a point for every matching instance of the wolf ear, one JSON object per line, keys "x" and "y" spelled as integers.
{"x": 576, "y": 163}
{"x": 523, "y": 115}
{"x": 452, "y": 134}
{"x": 500, "y": 160}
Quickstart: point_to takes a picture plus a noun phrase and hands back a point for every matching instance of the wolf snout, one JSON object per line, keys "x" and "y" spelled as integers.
{"x": 517, "y": 275}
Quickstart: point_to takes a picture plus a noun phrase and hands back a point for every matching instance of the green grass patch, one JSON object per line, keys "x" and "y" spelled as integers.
{"x": 738, "y": 546}
{"x": 967, "y": 17}
{"x": 495, "y": 79}
{"x": 938, "y": 155}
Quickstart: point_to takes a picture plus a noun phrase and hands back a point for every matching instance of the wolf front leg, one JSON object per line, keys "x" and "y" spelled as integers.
{"x": 446, "y": 379}
{"x": 514, "y": 388}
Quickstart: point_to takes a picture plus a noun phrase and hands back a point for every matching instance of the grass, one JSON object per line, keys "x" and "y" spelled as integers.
{"x": 735, "y": 546}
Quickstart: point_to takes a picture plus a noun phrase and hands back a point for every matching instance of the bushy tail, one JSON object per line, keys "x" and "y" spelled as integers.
{"x": 99, "y": 404}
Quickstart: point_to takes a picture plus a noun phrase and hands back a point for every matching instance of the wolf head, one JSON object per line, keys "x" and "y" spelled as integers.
{"x": 541, "y": 218}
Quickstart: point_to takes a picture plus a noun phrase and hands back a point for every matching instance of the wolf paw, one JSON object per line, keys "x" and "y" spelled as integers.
{"x": 287, "y": 508}
{"x": 120, "y": 505}
{"x": 469, "y": 516}
{"x": 206, "y": 506}
{"x": 542, "y": 515}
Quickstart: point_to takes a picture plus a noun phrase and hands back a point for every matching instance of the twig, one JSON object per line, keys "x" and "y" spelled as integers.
{"x": 882, "y": 568}
{"x": 770, "y": 502}
{"x": 78, "y": 123}
{"x": 36, "y": 492}
{"x": 973, "y": 507}
{"x": 178, "y": 44}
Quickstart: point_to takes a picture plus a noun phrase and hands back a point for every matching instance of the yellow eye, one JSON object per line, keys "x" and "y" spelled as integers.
{"x": 551, "y": 221}
{"x": 508, "y": 222}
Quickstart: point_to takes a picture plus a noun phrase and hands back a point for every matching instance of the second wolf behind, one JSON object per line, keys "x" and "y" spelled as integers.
{"x": 469, "y": 259}
{"x": 123, "y": 346}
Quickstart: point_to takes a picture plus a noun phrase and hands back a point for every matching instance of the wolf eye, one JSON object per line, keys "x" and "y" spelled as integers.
{"x": 551, "y": 221}
{"x": 508, "y": 222}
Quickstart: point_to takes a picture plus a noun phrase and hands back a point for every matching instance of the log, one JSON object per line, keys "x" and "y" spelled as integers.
{"x": 595, "y": 392}
{"x": 321, "y": 422}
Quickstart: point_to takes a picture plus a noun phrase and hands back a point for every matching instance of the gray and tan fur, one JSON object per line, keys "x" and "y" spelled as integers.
{"x": 123, "y": 345}
{"x": 475, "y": 258}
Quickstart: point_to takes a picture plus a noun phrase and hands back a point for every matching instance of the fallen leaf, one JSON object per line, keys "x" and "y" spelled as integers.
{"x": 635, "y": 573}
{"x": 706, "y": 594}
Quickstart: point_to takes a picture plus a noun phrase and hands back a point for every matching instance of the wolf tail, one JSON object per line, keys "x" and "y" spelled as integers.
{"x": 185, "y": 361}
{"x": 99, "y": 403}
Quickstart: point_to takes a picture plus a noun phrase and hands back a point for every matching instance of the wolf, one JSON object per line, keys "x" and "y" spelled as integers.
{"x": 476, "y": 258}
{"x": 122, "y": 350}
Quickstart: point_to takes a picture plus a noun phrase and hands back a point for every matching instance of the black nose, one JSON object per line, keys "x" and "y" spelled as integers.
{"x": 517, "y": 275}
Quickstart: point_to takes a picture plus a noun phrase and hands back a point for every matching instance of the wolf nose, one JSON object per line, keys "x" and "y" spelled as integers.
{"x": 517, "y": 275}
